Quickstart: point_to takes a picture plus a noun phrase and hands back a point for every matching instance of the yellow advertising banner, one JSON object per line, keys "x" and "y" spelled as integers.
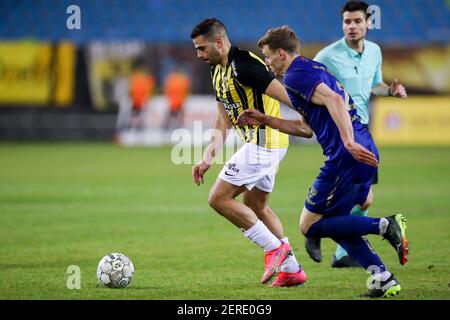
{"x": 36, "y": 73}
{"x": 24, "y": 72}
{"x": 414, "y": 121}
{"x": 64, "y": 74}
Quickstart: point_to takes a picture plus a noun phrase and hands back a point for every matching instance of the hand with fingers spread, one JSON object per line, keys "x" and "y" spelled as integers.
{"x": 397, "y": 90}
{"x": 362, "y": 154}
{"x": 198, "y": 171}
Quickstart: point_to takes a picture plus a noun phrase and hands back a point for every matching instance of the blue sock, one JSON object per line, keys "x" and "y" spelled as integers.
{"x": 360, "y": 250}
{"x": 344, "y": 227}
{"x": 356, "y": 211}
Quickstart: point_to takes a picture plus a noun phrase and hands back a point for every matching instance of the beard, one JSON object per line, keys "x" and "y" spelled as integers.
{"x": 214, "y": 59}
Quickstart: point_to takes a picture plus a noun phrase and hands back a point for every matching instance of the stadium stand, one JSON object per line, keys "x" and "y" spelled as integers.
{"x": 404, "y": 22}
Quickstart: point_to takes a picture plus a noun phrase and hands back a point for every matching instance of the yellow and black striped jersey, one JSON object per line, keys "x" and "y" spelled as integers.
{"x": 240, "y": 86}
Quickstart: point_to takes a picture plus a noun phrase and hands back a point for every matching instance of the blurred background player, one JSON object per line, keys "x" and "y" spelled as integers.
{"x": 242, "y": 81}
{"x": 176, "y": 89}
{"x": 142, "y": 85}
{"x": 351, "y": 160}
{"x": 356, "y": 64}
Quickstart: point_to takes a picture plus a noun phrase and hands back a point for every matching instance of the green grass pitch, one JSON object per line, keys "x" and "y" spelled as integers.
{"x": 70, "y": 204}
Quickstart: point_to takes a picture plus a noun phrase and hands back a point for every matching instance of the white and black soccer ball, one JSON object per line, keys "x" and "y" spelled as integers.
{"x": 115, "y": 270}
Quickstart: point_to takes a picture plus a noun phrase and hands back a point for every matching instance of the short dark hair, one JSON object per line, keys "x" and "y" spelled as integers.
{"x": 280, "y": 38}
{"x": 209, "y": 28}
{"x": 352, "y": 6}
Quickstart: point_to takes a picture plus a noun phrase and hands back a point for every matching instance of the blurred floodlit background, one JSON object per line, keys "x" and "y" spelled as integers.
{"x": 66, "y": 77}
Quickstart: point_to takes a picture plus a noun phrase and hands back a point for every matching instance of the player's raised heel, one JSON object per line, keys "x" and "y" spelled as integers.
{"x": 273, "y": 260}
{"x": 396, "y": 235}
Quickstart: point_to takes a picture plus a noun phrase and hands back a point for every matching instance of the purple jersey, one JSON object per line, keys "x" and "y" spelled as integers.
{"x": 343, "y": 182}
{"x": 301, "y": 79}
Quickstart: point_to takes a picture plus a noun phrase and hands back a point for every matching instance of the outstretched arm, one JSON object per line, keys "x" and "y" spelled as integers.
{"x": 253, "y": 117}
{"x": 297, "y": 127}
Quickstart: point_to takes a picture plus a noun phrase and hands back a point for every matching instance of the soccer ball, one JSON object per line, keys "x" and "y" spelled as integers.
{"x": 115, "y": 270}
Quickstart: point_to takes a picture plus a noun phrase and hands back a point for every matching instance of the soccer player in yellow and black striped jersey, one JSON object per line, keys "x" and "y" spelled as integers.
{"x": 242, "y": 81}
{"x": 240, "y": 85}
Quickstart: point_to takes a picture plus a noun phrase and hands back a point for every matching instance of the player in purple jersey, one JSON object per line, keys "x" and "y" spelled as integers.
{"x": 351, "y": 160}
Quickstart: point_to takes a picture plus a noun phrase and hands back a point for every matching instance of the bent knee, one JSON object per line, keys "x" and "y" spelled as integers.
{"x": 307, "y": 219}
{"x": 214, "y": 200}
{"x": 304, "y": 227}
